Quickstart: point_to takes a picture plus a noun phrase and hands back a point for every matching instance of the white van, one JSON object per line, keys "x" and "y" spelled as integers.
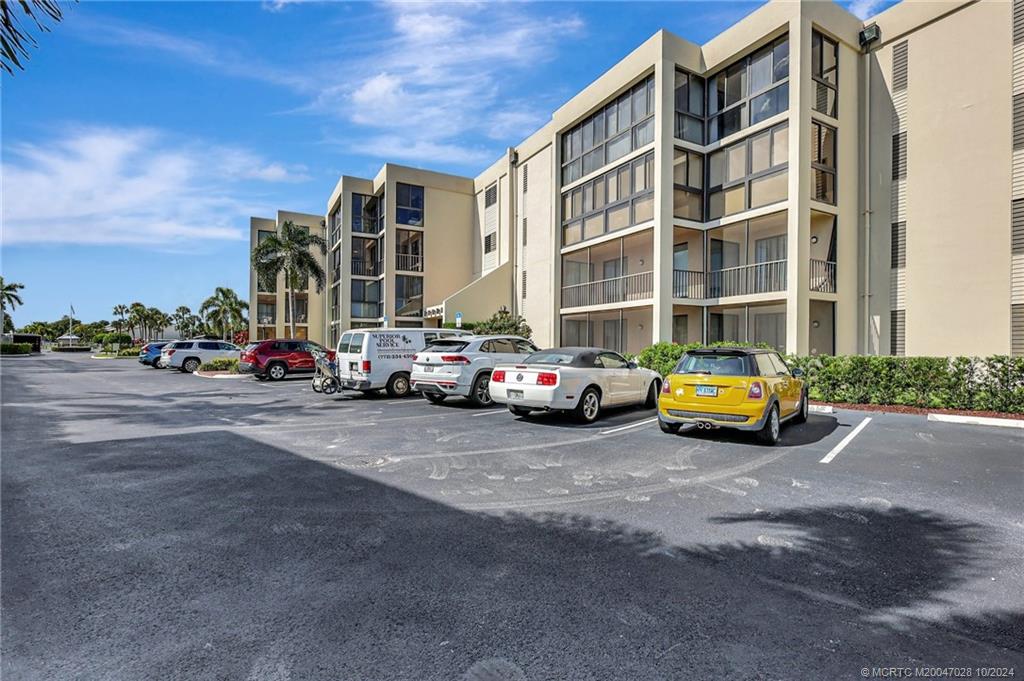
{"x": 371, "y": 359}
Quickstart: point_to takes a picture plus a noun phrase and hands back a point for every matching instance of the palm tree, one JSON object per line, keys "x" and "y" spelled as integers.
{"x": 15, "y": 38}
{"x": 290, "y": 252}
{"x": 157, "y": 321}
{"x": 224, "y": 309}
{"x": 9, "y": 297}
{"x": 121, "y": 311}
{"x": 181, "y": 319}
{"x": 137, "y": 317}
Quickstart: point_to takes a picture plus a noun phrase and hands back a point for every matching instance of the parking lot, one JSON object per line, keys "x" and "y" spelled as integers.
{"x": 158, "y": 524}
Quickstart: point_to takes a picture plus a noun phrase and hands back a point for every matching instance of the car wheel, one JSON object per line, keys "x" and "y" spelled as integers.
{"x": 769, "y": 434}
{"x": 652, "y": 395}
{"x": 155, "y": 364}
{"x": 329, "y": 386}
{"x": 519, "y": 411}
{"x": 480, "y": 395}
{"x": 398, "y": 385}
{"x": 276, "y": 371}
{"x": 589, "y": 407}
{"x": 191, "y": 365}
{"x": 434, "y": 398}
{"x": 801, "y": 414}
{"x": 672, "y": 428}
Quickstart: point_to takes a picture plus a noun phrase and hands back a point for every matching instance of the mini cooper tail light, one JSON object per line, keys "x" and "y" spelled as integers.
{"x": 366, "y": 366}
{"x": 666, "y": 389}
{"x": 547, "y": 378}
{"x": 454, "y": 359}
{"x": 498, "y": 377}
{"x": 755, "y": 392}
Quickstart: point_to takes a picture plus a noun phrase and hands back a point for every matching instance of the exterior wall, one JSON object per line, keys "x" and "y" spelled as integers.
{"x": 537, "y": 211}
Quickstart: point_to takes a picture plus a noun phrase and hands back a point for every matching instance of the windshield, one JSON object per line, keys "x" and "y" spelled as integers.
{"x": 545, "y": 357}
{"x": 446, "y": 346}
{"x": 712, "y": 364}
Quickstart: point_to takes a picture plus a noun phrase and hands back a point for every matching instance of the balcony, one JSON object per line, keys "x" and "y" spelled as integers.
{"x": 364, "y": 268}
{"x": 267, "y": 320}
{"x": 408, "y": 262}
{"x": 687, "y": 284}
{"x": 823, "y": 276}
{"x": 631, "y": 287}
{"x": 764, "y": 277}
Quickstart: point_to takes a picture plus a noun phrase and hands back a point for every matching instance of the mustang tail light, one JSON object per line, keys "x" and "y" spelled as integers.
{"x": 454, "y": 359}
{"x": 755, "y": 392}
{"x": 365, "y": 366}
{"x": 547, "y": 378}
{"x": 498, "y": 377}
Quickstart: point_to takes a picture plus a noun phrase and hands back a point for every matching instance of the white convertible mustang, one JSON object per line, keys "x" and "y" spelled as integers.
{"x": 580, "y": 380}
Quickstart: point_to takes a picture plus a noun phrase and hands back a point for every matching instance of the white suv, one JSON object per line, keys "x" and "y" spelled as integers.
{"x": 462, "y": 366}
{"x": 188, "y": 355}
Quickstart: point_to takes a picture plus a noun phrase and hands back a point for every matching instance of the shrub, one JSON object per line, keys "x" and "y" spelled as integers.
{"x": 15, "y": 348}
{"x": 128, "y": 352}
{"x": 221, "y": 364}
{"x": 503, "y": 322}
{"x": 466, "y": 326}
{"x": 663, "y": 357}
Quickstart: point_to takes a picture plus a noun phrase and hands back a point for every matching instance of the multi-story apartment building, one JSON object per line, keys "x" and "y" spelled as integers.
{"x": 805, "y": 179}
{"x": 269, "y": 314}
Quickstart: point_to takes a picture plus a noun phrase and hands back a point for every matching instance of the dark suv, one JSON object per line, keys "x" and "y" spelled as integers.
{"x": 278, "y": 357}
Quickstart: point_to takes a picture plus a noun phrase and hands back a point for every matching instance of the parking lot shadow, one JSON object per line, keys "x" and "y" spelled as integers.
{"x": 212, "y": 555}
{"x": 816, "y": 429}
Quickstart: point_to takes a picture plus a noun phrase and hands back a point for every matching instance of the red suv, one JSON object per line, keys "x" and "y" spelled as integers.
{"x": 278, "y": 357}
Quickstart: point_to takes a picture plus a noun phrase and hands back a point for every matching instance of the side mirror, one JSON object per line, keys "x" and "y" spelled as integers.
{"x": 632, "y": 365}
{"x": 798, "y": 373}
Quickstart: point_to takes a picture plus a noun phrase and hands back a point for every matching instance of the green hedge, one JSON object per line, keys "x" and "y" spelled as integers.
{"x": 111, "y": 338}
{"x": 128, "y": 352}
{"x": 221, "y": 364}
{"x": 15, "y": 348}
{"x": 663, "y": 357}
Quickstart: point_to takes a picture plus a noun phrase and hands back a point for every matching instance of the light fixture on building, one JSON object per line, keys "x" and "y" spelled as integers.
{"x": 815, "y": 323}
{"x": 814, "y": 239}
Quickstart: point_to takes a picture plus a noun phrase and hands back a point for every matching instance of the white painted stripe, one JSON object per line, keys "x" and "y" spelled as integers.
{"x": 821, "y": 409}
{"x": 845, "y": 441}
{"x": 977, "y": 420}
{"x": 630, "y": 425}
{"x": 491, "y": 412}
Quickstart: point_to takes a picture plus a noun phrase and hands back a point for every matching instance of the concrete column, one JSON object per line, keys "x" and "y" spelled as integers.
{"x": 798, "y": 216}
{"x": 664, "y": 76}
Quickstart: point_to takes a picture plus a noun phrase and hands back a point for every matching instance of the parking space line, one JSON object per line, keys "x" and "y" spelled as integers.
{"x": 846, "y": 440}
{"x": 629, "y": 425}
{"x": 491, "y": 412}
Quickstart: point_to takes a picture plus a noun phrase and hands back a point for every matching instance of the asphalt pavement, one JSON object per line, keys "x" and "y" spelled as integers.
{"x": 161, "y": 525}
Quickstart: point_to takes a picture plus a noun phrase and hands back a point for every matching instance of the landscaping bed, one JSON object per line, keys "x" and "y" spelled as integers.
{"x": 905, "y": 409}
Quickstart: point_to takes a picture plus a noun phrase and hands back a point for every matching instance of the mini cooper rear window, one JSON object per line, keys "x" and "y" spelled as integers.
{"x": 715, "y": 365}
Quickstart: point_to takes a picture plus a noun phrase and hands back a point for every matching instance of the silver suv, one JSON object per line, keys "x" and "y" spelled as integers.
{"x": 462, "y": 366}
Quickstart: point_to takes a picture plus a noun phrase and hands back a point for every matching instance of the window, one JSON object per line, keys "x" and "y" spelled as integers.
{"x": 209, "y": 346}
{"x": 749, "y": 174}
{"x": 266, "y": 313}
{"x": 490, "y": 242}
{"x": 749, "y": 91}
{"x": 334, "y": 223}
{"x": 491, "y": 196}
{"x": 689, "y": 107}
{"x": 409, "y": 250}
{"x": 364, "y": 213}
{"x": 523, "y": 346}
{"x": 365, "y": 299}
{"x": 525, "y": 177}
{"x": 301, "y": 311}
{"x": 408, "y": 296}
{"x": 619, "y": 128}
{"x": 524, "y": 231}
{"x": 899, "y": 155}
{"x": 825, "y": 73}
{"x": 615, "y": 200}
{"x": 524, "y": 284}
{"x": 823, "y": 162}
{"x": 365, "y": 256}
{"x": 335, "y": 302}
{"x": 688, "y": 180}
{"x": 408, "y": 204}
{"x": 502, "y": 345}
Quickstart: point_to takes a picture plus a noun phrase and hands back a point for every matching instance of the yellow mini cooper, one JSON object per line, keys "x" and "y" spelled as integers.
{"x": 741, "y": 388}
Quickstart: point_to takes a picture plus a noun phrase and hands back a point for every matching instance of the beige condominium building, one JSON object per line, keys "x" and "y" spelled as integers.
{"x": 269, "y": 314}
{"x": 805, "y": 179}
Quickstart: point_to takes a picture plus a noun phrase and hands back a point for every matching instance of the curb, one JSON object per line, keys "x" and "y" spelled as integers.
{"x": 135, "y": 357}
{"x": 820, "y": 409}
{"x": 977, "y": 420}
{"x": 221, "y": 376}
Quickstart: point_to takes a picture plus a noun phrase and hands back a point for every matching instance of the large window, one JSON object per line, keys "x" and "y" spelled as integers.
{"x": 617, "y": 199}
{"x": 688, "y": 181}
{"x": 749, "y": 91}
{"x": 408, "y": 204}
{"x": 825, "y": 73}
{"x": 364, "y": 213}
{"x": 301, "y": 311}
{"x": 335, "y": 304}
{"x": 266, "y": 313}
{"x": 334, "y": 224}
{"x": 749, "y": 174}
{"x": 409, "y": 250}
{"x": 365, "y": 299}
{"x": 611, "y": 133}
{"x": 627, "y": 330}
{"x": 408, "y": 296}
{"x": 689, "y": 124}
{"x": 823, "y": 162}
{"x": 365, "y": 256}
{"x": 613, "y": 271}
{"x": 336, "y": 264}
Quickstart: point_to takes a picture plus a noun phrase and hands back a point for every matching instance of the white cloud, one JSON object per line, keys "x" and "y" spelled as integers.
{"x": 865, "y": 8}
{"x": 397, "y": 148}
{"x": 131, "y": 186}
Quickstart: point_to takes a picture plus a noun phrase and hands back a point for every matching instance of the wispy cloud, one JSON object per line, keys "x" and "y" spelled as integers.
{"x": 132, "y": 186}
{"x": 864, "y": 9}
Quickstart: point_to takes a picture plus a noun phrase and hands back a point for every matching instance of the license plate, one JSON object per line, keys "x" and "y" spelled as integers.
{"x": 515, "y": 394}
{"x": 707, "y": 391}
{"x": 428, "y": 369}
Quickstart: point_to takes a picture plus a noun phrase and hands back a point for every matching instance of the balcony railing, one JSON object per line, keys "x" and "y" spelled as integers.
{"x": 687, "y": 284}
{"x": 823, "y": 276}
{"x": 763, "y": 277}
{"x": 408, "y": 262}
{"x": 267, "y": 320}
{"x": 365, "y": 268}
{"x": 638, "y": 286}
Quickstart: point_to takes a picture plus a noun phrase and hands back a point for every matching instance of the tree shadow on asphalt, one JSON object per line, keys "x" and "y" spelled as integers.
{"x": 214, "y": 555}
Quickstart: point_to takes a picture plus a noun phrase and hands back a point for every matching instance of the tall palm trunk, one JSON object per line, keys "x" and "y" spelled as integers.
{"x": 224, "y": 324}
{"x": 291, "y": 303}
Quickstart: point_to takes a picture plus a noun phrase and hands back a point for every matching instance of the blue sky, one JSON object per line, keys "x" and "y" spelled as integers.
{"x": 142, "y": 135}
